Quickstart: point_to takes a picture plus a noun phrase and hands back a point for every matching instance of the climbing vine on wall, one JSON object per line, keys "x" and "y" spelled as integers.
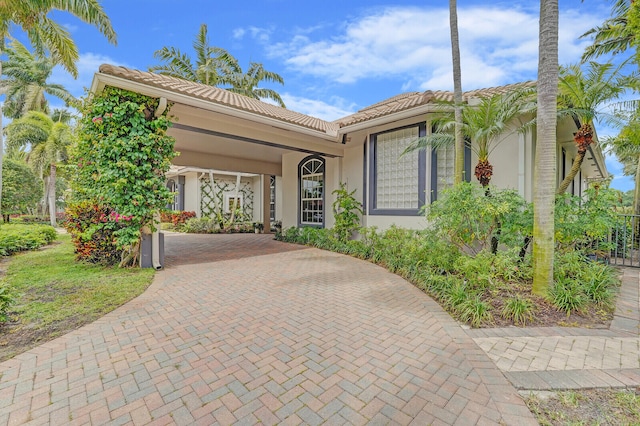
{"x": 208, "y": 203}
{"x": 122, "y": 155}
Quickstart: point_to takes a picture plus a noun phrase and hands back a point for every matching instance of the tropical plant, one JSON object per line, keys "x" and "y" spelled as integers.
{"x": 21, "y": 190}
{"x": 485, "y": 125}
{"x": 45, "y": 34}
{"x": 545, "y": 156}
{"x": 212, "y": 65}
{"x": 122, "y": 156}
{"x": 247, "y": 83}
{"x": 347, "y": 212}
{"x": 613, "y": 36}
{"x": 48, "y": 141}
{"x": 26, "y": 82}
{"x": 585, "y": 96}
{"x": 626, "y": 147}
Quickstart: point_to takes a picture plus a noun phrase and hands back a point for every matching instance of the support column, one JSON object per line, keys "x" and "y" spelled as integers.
{"x": 266, "y": 203}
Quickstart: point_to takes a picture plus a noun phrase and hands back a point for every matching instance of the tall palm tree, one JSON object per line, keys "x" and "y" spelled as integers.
{"x": 212, "y": 65}
{"x": 545, "y": 157}
{"x": 45, "y": 34}
{"x": 626, "y": 147}
{"x": 458, "y": 169}
{"x": 48, "y": 142}
{"x": 247, "y": 83}
{"x": 583, "y": 95}
{"x": 27, "y": 82}
{"x": 613, "y": 36}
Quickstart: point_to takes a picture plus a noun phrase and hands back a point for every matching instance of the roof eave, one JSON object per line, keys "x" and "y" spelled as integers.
{"x": 100, "y": 80}
{"x": 386, "y": 119}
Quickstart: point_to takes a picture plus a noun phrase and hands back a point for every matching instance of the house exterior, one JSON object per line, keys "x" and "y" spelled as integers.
{"x": 283, "y": 165}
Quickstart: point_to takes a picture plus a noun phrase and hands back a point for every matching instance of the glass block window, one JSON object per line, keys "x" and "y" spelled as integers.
{"x": 445, "y": 167}
{"x": 272, "y": 198}
{"x": 397, "y": 175}
{"x": 312, "y": 191}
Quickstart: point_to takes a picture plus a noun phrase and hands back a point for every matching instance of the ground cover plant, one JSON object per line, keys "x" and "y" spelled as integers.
{"x": 453, "y": 262}
{"x": 53, "y": 294}
{"x": 602, "y": 407}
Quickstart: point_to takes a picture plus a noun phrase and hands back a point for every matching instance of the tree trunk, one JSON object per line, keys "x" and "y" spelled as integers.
{"x": 583, "y": 138}
{"x": 636, "y": 190}
{"x": 458, "y": 172}
{"x": 1, "y": 143}
{"x": 52, "y": 195}
{"x": 545, "y": 158}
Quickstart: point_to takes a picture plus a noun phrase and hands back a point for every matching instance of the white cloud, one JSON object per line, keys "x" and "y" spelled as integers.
{"x": 498, "y": 46}
{"x": 88, "y": 64}
{"x": 338, "y": 107}
{"x": 239, "y": 33}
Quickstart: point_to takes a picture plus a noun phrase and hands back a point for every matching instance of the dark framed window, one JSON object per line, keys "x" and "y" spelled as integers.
{"x": 311, "y": 178}
{"x": 442, "y": 167}
{"x": 272, "y": 198}
{"x": 397, "y": 181}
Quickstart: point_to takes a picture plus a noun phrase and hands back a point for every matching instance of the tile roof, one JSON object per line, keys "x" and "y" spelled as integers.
{"x": 398, "y": 103}
{"x": 410, "y": 100}
{"x": 219, "y": 96}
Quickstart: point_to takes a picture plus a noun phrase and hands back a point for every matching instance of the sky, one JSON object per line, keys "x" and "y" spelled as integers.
{"x": 338, "y": 56}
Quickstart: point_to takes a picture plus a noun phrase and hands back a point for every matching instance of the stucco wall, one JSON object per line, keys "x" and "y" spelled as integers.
{"x": 192, "y": 193}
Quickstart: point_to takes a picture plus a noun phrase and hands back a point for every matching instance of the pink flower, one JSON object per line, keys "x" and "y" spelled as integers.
{"x": 97, "y": 119}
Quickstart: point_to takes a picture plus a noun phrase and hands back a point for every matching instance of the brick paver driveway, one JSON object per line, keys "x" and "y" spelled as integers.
{"x": 295, "y": 336}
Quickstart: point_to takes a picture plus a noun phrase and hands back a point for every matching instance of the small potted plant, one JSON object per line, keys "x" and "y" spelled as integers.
{"x": 258, "y": 227}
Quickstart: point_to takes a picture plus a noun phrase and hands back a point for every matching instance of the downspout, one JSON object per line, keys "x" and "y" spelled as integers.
{"x": 155, "y": 243}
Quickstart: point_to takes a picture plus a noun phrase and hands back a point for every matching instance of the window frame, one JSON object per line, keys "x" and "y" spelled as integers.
{"x": 301, "y": 165}
{"x": 373, "y": 175}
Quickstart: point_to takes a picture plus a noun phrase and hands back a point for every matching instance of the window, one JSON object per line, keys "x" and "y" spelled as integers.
{"x": 398, "y": 180}
{"x": 229, "y": 202}
{"x": 311, "y": 173}
{"x": 272, "y": 198}
{"x": 443, "y": 166}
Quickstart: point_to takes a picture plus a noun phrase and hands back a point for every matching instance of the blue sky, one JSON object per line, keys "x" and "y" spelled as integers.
{"x": 339, "y": 56}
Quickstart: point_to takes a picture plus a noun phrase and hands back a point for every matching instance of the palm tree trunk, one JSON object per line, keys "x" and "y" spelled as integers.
{"x": 636, "y": 190}
{"x": 52, "y": 195}
{"x": 545, "y": 159}
{"x": 1, "y": 143}
{"x": 458, "y": 172}
{"x": 575, "y": 168}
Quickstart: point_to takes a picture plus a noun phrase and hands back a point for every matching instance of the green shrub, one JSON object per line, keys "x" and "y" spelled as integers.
{"x": 466, "y": 217}
{"x": 15, "y": 238}
{"x": 475, "y": 311}
{"x": 347, "y": 212}
{"x": 7, "y": 299}
{"x": 567, "y": 296}
{"x": 597, "y": 281}
{"x": 93, "y": 232}
{"x": 200, "y": 225}
{"x": 518, "y": 309}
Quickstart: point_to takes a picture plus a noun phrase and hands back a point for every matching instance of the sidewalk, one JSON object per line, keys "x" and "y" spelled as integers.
{"x": 560, "y": 358}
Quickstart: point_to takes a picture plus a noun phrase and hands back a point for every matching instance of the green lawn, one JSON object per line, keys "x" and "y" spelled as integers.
{"x": 57, "y": 294}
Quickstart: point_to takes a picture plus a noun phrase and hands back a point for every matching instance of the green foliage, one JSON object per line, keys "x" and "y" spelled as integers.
{"x": 15, "y": 238}
{"x": 518, "y": 309}
{"x": 584, "y": 224}
{"x": 475, "y": 311}
{"x": 21, "y": 189}
{"x": 211, "y": 225}
{"x": 122, "y": 156}
{"x": 568, "y": 296}
{"x": 347, "y": 212}
{"x": 7, "y": 299}
{"x": 467, "y": 218}
{"x": 92, "y": 227}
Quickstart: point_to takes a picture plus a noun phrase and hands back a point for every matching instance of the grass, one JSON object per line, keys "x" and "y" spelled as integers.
{"x": 57, "y": 294}
{"x": 587, "y": 407}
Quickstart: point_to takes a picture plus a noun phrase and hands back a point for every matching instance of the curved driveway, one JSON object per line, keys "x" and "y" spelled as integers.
{"x": 243, "y": 329}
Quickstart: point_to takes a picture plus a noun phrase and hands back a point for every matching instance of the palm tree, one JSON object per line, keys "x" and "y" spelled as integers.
{"x": 484, "y": 124}
{"x": 48, "y": 141}
{"x": 212, "y": 66}
{"x": 458, "y": 174}
{"x": 26, "y": 83}
{"x": 247, "y": 83}
{"x": 626, "y": 147}
{"x": 47, "y": 35}
{"x": 613, "y": 36}
{"x": 545, "y": 157}
{"x": 583, "y": 96}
